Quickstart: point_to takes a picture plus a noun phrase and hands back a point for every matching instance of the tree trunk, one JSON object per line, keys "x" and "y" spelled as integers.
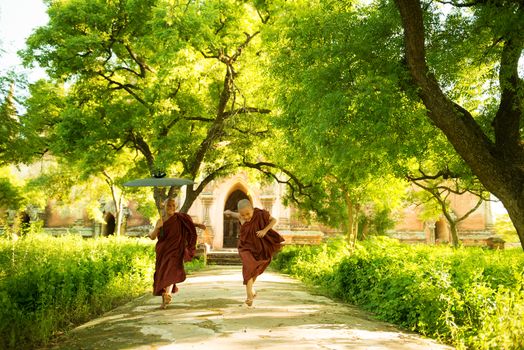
{"x": 352, "y": 212}
{"x": 118, "y": 210}
{"x": 356, "y": 212}
{"x": 159, "y": 195}
{"x": 365, "y": 228}
{"x": 452, "y": 222}
{"x": 119, "y": 216}
{"x": 191, "y": 196}
{"x": 454, "y": 233}
{"x": 516, "y": 214}
{"x": 349, "y": 208}
{"x": 499, "y": 166}
{"x": 355, "y": 233}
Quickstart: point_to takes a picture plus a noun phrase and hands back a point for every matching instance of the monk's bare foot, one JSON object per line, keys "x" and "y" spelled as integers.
{"x": 250, "y": 297}
{"x": 166, "y": 300}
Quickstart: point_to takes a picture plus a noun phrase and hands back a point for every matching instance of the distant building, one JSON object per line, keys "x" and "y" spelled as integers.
{"x": 222, "y": 232}
{"x": 225, "y": 193}
{"x": 476, "y": 229}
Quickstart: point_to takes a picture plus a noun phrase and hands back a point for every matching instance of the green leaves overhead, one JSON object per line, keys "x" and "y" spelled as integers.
{"x": 320, "y": 91}
{"x": 343, "y": 99}
{"x": 169, "y": 80}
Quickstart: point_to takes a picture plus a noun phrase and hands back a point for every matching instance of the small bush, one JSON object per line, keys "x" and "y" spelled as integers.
{"x": 49, "y": 284}
{"x": 469, "y": 297}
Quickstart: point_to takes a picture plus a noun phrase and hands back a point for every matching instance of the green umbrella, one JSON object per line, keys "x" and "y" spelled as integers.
{"x": 159, "y": 180}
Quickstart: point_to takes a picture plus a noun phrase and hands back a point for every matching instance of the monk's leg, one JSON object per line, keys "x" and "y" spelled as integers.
{"x": 169, "y": 289}
{"x": 249, "y": 292}
{"x": 166, "y": 296}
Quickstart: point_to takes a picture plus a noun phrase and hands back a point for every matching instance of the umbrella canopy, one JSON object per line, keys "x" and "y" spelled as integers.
{"x": 159, "y": 182}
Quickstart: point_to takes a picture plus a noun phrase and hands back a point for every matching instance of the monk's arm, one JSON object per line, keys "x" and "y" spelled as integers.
{"x": 154, "y": 234}
{"x": 200, "y": 226}
{"x": 232, "y": 214}
{"x": 272, "y": 222}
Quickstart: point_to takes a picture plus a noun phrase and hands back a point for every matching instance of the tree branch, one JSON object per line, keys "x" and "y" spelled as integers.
{"x": 300, "y": 187}
{"x": 141, "y": 63}
{"x": 245, "y": 110}
{"x": 118, "y": 148}
{"x": 143, "y": 147}
{"x": 128, "y": 70}
{"x": 243, "y": 45}
{"x": 458, "y": 4}
{"x": 249, "y": 132}
{"x": 471, "y": 211}
{"x": 205, "y": 55}
{"x": 126, "y": 87}
{"x": 444, "y": 174}
{"x": 191, "y": 193}
{"x": 216, "y": 130}
{"x": 459, "y": 126}
{"x": 262, "y": 18}
{"x": 199, "y": 119}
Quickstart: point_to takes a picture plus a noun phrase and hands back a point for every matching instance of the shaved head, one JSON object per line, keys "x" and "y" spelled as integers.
{"x": 245, "y": 210}
{"x": 244, "y": 203}
{"x": 170, "y": 206}
{"x": 169, "y": 199}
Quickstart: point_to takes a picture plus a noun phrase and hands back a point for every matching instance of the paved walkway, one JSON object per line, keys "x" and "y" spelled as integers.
{"x": 208, "y": 314}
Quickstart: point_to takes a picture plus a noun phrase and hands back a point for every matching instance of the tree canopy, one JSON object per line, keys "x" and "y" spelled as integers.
{"x": 344, "y": 101}
{"x": 175, "y": 83}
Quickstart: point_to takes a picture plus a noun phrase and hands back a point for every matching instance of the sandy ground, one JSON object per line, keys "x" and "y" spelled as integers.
{"x": 208, "y": 313}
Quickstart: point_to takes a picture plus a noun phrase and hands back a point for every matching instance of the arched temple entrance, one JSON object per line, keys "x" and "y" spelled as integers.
{"x": 109, "y": 227}
{"x": 441, "y": 232}
{"x": 231, "y": 225}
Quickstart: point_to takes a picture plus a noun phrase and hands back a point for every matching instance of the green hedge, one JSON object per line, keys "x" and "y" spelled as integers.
{"x": 49, "y": 284}
{"x": 469, "y": 297}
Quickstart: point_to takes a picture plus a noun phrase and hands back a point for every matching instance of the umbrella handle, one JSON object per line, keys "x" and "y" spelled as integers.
{"x": 161, "y": 218}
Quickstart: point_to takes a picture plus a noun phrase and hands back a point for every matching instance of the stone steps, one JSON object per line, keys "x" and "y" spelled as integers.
{"x": 223, "y": 257}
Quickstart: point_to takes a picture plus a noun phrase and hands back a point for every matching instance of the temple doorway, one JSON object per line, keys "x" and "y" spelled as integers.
{"x": 231, "y": 225}
{"x": 109, "y": 227}
{"x": 441, "y": 232}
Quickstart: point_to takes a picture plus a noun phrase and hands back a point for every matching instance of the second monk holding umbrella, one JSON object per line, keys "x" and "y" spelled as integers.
{"x": 177, "y": 239}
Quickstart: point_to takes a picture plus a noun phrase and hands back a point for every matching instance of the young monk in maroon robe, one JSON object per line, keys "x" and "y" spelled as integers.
{"x": 257, "y": 243}
{"x": 177, "y": 238}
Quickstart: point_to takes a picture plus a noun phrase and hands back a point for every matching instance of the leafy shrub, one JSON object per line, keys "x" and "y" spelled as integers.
{"x": 48, "y": 284}
{"x": 470, "y": 297}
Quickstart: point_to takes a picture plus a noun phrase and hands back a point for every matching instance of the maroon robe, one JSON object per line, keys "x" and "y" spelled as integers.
{"x": 255, "y": 252}
{"x": 177, "y": 238}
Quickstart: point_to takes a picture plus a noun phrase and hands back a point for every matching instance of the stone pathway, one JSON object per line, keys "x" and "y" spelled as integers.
{"x": 208, "y": 314}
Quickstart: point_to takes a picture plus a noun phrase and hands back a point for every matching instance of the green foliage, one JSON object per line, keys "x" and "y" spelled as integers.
{"x": 471, "y": 298}
{"x": 172, "y": 85}
{"x": 504, "y": 228}
{"x": 348, "y": 106}
{"x": 10, "y": 197}
{"x": 343, "y": 107}
{"x": 9, "y": 127}
{"x": 48, "y": 284}
{"x": 378, "y": 221}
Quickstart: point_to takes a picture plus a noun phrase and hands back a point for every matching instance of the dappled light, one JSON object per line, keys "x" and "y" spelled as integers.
{"x": 208, "y": 309}
{"x": 361, "y": 160}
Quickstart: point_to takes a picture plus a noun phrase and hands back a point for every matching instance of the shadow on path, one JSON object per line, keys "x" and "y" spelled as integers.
{"x": 208, "y": 314}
